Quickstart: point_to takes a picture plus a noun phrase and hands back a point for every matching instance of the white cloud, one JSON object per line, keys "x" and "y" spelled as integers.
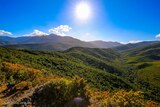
{"x": 36, "y": 33}
{"x": 87, "y": 37}
{"x": 135, "y": 41}
{"x": 158, "y": 36}
{"x": 3, "y": 32}
{"x": 60, "y": 30}
{"x": 123, "y": 43}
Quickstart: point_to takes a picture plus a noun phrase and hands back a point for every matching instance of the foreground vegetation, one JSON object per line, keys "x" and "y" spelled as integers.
{"x": 79, "y": 77}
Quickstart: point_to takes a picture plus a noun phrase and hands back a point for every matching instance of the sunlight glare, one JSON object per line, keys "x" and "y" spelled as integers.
{"x": 83, "y": 11}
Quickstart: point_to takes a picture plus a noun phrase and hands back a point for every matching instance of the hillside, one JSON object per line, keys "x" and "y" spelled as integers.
{"x": 146, "y": 61}
{"x": 65, "y": 63}
{"x": 102, "y": 73}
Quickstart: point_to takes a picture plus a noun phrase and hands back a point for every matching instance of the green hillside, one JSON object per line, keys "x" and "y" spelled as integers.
{"x": 100, "y": 74}
{"x": 68, "y": 64}
{"x": 146, "y": 61}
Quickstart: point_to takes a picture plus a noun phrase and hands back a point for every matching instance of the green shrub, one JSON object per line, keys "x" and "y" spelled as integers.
{"x": 62, "y": 93}
{"x": 123, "y": 98}
{"x": 2, "y": 78}
{"x": 118, "y": 98}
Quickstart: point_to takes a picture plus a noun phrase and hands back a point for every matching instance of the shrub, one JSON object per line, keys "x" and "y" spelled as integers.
{"x": 62, "y": 93}
{"x": 16, "y": 73}
{"x": 123, "y": 98}
{"x": 2, "y": 78}
{"x": 119, "y": 98}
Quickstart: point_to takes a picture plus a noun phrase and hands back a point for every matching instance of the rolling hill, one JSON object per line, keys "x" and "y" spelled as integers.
{"x": 146, "y": 60}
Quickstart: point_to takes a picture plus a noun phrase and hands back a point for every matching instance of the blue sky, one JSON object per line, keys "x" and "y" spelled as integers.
{"x": 110, "y": 20}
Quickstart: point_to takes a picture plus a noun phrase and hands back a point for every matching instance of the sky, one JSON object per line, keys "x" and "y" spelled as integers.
{"x": 108, "y": 20}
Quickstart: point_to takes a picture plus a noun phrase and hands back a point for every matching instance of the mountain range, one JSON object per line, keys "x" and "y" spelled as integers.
{"x": 52, "y": 42}
{"x": 61, "y": 43}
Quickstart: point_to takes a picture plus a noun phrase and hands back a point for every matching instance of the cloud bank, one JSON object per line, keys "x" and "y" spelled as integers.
{"x": 135, "y": 41}
{"x": 36, "y": 33}
{"x": 158, "y": 36}
{"x": 87, "y": 37}
{"x": 3, "y": 32}
{"x": 60, "y": 30}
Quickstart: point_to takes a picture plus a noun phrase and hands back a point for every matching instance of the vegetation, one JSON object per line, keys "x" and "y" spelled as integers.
{"x": 62, "y": 93}
{"x": 99, "y": 73}
{"x": 145, "y": 60}
{"x": 81, "y": 77}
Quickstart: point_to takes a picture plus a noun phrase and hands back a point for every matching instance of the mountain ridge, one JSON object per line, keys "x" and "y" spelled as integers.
{"x": 134, "y": 45}
{"x": 52, "y": 41}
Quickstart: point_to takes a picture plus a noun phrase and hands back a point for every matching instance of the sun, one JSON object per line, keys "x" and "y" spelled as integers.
{"x": 83, "y": 11}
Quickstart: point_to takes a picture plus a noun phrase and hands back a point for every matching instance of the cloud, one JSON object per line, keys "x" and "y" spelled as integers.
{"x": 135, "y": 41}
{"x": 36, "y": 33}
{"x": 87, "y": 37}
{"x": 123, "y": 43}
{"x": 3, "y": 32}
{"x": 60, "y": 30}
{"x": 158, "y": 36}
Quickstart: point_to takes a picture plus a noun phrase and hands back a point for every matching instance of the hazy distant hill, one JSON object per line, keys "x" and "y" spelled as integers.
{"x": 5, "y": 40}
{"x": 43, "y": 46}
{"x": 104, "y": 44}
{"x": 146, "y": 53}
{"x": 61, "y": 43}
{"x": 53, "y": 42}
{"x": 134, "y": 45}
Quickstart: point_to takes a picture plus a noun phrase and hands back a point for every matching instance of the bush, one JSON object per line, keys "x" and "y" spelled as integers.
{"x": 16, "y": 73}
{"x": 119, "y": 98}
{"x": 123, "y": 98}
{"x": 2, "y": 78}
{"x": 62, "y": 93}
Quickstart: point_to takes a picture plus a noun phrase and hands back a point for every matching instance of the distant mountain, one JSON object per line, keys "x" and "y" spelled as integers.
{"x": 39, "y": 39}
{"x": 134, "y": 45}
{"x": 149, "y": 52}
{"x": 52, "y": 42}
{"x": 43, "y": 46}
{"x": 5, "y": 40}
{"x": 103, "y": 44}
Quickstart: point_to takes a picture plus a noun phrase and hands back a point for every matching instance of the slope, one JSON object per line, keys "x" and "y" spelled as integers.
{"x": 105, "y": 70}
{"x": 67, "y": 65}
{"x": 146, "y": 61}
